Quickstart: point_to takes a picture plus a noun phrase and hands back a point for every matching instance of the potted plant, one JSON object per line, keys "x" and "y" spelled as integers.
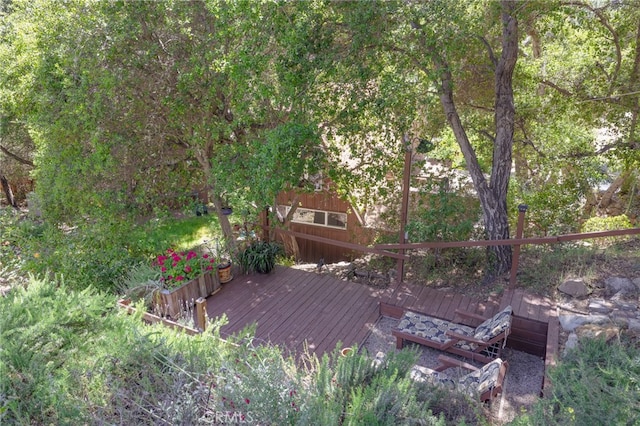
{"x": 185, "y": 277}
{"x": 260, "y": 257}
{"x": 223, "y": 254}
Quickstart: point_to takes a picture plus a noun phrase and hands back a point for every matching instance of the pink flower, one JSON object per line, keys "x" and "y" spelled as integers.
{"x": 163, "y": 269}
{"x": 191, "y": 255}
{"x": 205, "y": 256}
{"x": 187, "y": 269}
{"x": 246, "y": 400}
{"x": 179, "y": 278}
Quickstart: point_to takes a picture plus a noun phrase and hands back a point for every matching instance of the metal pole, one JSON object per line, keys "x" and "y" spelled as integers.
{"x": 522, "y": 209}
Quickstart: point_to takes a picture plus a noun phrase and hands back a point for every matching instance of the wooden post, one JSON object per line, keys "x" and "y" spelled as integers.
{"x": 201, "y": 314}
{"x": 522, "y": 209}
{"x": 404, "y": 212}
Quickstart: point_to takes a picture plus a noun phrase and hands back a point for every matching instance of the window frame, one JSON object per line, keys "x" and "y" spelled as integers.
{"x": 315, "y": 211}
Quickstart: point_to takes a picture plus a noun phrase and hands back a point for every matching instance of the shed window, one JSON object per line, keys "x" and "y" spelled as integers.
{"x": 317, "y": 217}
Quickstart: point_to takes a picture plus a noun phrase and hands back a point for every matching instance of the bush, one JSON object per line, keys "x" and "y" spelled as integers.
{"x": 68, "y": 358}
{"x": 597, "y": 383}
{"x": 260, "y": 257}
{"x": 596, "y": 224}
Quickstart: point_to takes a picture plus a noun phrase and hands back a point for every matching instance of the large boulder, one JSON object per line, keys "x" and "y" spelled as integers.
{"x": 620, "y": 285}
{"x": 574, "y": 288}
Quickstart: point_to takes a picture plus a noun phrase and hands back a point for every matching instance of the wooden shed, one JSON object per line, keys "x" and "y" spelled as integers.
{"x": 322, "y": 213}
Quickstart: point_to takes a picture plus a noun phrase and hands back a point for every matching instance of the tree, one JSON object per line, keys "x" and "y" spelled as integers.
{"x": 430, "y": 41}
{"x": 132, "y": 102}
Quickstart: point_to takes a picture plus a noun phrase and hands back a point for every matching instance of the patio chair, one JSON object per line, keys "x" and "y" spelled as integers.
{"x": 484, "y": 383}
{"x": 482, "y": 343}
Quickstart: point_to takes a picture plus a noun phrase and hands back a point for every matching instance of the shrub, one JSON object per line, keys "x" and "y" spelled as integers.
{"x": 596, "y": 383}
{"x": 68, "y": 358}
{"x": 596, "y": 224}
{"x": 260, "y": 256}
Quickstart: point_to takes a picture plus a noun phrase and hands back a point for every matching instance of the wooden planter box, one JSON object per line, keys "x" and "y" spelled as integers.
{"x": 152, "y": 319}
{"x": 172, "y": 302}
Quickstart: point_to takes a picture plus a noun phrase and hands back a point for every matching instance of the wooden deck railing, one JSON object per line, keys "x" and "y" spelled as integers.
{"x": 402, "y": 247}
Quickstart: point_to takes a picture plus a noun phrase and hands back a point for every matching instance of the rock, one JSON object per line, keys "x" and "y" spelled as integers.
{"x": 600, "y": 306}
{"x": 571, "y": 343}
{"x": 622, "y": 316}
{"x": 569, "y": 322}
{"x": 636, "y": 282}
{"x": 574, "y": 288}
{"x": 594, "y": 331}
{"x": 624, "y": 305}
{"x": 622, "y": 285}
{"x": 634, "y": 326}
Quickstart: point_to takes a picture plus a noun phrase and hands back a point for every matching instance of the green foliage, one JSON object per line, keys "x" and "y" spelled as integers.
{"x": 260, "y": 257}
{"x": 101, "y": 254}
{"x": 353, "y": 390}
{"x": 69, "y": 357}
{"x": 141, "y": 281}
{"x": 46, "y": 332}
{"x": 10, "y": 252}
{"x": 95, "y": 255}
{"x": 444, "y": 216}
{"x": 543, "y": 268}
{"x": 596, "y": 383}
{"x": 595, "y": 224}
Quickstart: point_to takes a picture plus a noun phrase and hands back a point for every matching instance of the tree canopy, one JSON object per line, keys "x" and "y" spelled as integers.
{"x": 122, "y": 106}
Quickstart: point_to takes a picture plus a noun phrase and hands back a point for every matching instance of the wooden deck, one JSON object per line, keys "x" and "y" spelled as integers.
{"x": 294, "y": 309}
{"x": 291, "y": 307}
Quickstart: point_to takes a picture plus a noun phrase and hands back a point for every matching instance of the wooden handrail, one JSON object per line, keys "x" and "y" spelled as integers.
{"x": 509, "y": 242}
{"x": 343, "y": 244}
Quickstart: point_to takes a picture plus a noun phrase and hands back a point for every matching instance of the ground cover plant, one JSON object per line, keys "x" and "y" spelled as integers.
{"x": 597, "y": 383}
{"x": 97, "y": 253}
{"x": 70, "y": 357}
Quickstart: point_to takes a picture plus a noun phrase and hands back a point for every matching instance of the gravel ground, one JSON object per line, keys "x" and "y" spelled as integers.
{"x": 521, "y": 387}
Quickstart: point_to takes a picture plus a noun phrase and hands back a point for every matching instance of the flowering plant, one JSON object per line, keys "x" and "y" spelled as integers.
{"x": 179, "y": 267}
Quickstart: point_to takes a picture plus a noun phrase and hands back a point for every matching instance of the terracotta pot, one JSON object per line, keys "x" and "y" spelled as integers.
{"x": 224, "y": 272}
{"x": 346, "y": 351}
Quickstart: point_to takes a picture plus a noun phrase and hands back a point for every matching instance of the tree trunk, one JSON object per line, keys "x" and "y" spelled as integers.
{"x": 291, "y": 246}
{"x": 492, "y": 194}
{"x": 498, "y": 228}
{"x": 8, "y": 192}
